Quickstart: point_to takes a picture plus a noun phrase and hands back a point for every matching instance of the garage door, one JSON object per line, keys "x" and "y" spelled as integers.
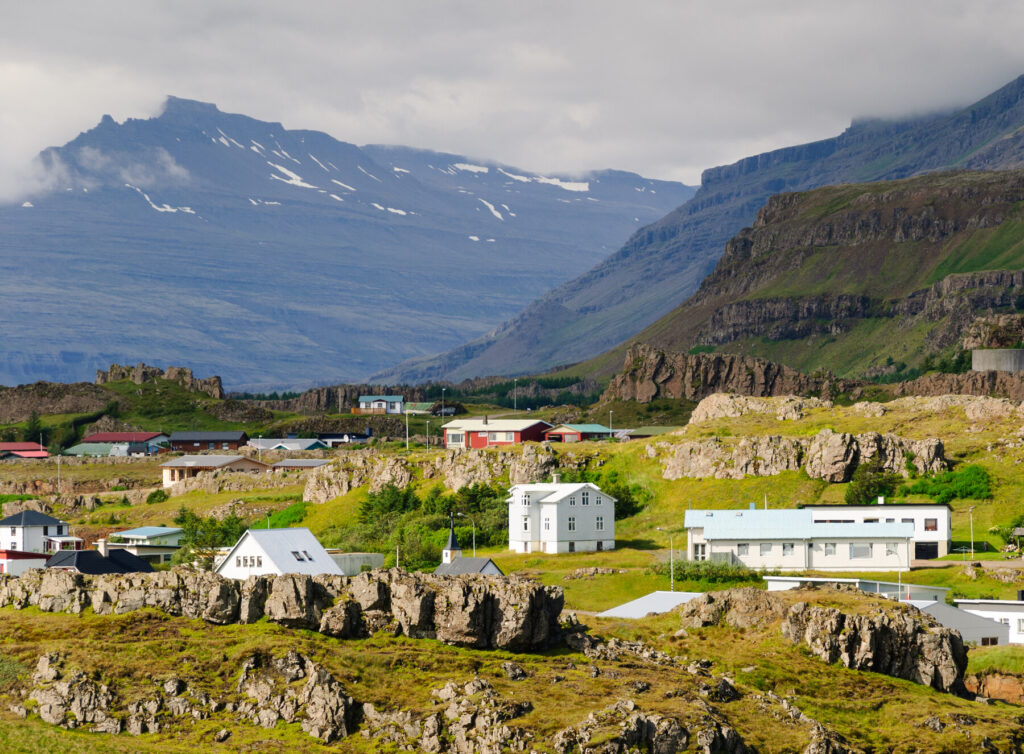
{"x": 926, "y": 550}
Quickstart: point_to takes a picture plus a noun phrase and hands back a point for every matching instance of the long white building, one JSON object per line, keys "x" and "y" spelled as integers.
{"x": 560, "y": 517}
{"x": 791, "y": 540}
{"x": 933, "y": 528}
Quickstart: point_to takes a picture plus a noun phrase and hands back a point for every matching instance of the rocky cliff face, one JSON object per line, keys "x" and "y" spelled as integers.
{"x": 18, "y": 403}
{"x": 889, "y": 638}
{"x": 484, "y": 612}
{"x": 141, "y": 373}
{"x": 828, "y": 455}
{"x": 650, "y": 373}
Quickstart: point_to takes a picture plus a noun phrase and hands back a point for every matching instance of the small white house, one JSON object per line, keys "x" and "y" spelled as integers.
{"x": 277, "y": 551}
{"x": 1009, "y": 613}
{"x": 560, "y": 517}
{"x": 32, "y": 531}
{"x": 16, "y": 563}
{"x": 933, "y": 529}
{"x": 154, "y": 544}
{"x": 189, "y": 466}
{"x": 790, "y": 540}
{"x": 381, "y": 404}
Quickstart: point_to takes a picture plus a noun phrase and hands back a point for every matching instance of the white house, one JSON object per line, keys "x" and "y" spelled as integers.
{"x": 560, "y": 517}
{"x": 32, "y": 531}
{"x": 380, "y": 404}
{"x": 790, "y": 540}
{"x": 277, "y": 551}
{"x": 154, "y": 544}
{"x": 189, "y": 466}
{"x": 1010, "y": 613}
{"x": 933, "y": 529}
{"x": 286, "y": 443}
{"x": 16, "y": 563}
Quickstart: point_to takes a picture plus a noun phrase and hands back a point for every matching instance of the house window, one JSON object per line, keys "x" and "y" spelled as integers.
{"x": 870, "y": 520}
{"x": 238, "y": 562}
{"x": 700, "y": 552}
{"x": 766, "y": 549}
{"x": 572, "y": 547}
{"x": 547, "y": 524}
{"x": 212, "y": 445}
{"x": 787, "y": 548}
{"x": 224, "y": 446}
{"x": 743, "y": 548}
{"x": 308, "y": 556}
{"x": 526, "y": 498}
{"x": 599, "y": 523}
{"x": 526, "y": 524}
{"x": 931, "y": 524}
{"x": 585, "y": 498}
{"x": 572, "y": 502}
{"x": 1005, "y": 621}
{"x": 13, "y": 531}
{"x": 1020, "y": 625}
{"x": 597, "y": 499}
{"x": 46, "y": 531}
{"x": 860, "y": 550}
{"x": 906, "y": 520}
{"x": 891, "y": 549}
{"x": 510, "y": 437}
{"x": 830, "y": 548}
{"x": 297, "y": 556}
{"x": 989, "y": 641}
{"x": 492, "y": 436}
{"x": 890, "y": 520}
{"x": 455, "y": 438}
{"x": 572, "y": 523}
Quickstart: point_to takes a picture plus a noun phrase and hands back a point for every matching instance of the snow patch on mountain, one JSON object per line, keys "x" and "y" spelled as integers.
{"x": 343, "y": 185}
{"x": 160, "y": 207}
{"x": 364, "y": 172}
{"x": 491, "y": 208}
{"x": 470, "y": 168}
{"x": 293, "y": 179}
{"x": 318, "y": 162}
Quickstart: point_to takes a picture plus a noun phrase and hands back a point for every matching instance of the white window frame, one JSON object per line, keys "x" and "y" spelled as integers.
{"x": 585, "y": 497}
{"x": 742, "y": 548}
{"x": 599, "y": 523}
{"x": 830, "y": 548}
{"x": 788, "y": 548}
{"x": 765, "y": 549}
{"x": 572, "y": 523}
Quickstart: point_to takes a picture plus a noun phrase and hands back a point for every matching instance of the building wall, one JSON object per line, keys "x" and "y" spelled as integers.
{"x": 999, "y": 359}
{"x": 1011, "y": 616}
{"x": 585, "y": 537}
{"x": 803, "y": 555}
{"x": 29, "y": 538}
{"x": 194, "y": 447}
{"x": 970, "y": 627}
{"x": 251, "y": 553}
{"x": 915, "y": 514}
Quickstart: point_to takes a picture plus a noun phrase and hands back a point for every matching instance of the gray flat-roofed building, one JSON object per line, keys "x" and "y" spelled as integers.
{"x": 300, "y": 463}
{"x": 654, "y": 603}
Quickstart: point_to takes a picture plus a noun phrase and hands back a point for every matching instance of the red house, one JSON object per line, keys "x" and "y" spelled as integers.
{"x": 484, "y": 433}
{"x": 22, "y": 450}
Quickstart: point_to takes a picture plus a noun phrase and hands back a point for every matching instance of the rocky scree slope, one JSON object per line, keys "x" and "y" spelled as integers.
{"x": 664, "y": 262}
{"x": 888, "y": 270}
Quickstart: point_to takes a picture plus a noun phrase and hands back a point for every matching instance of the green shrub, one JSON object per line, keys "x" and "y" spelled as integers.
{"x": 870, "y": 482}
{"x": 157, "y": 496}
{"x": 970, "y": 482}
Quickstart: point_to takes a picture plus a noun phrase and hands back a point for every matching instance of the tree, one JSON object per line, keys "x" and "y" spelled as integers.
{"x": 201, "y": 536}
{"x": 34, "y": 430}
{"x": 870, "y": 481}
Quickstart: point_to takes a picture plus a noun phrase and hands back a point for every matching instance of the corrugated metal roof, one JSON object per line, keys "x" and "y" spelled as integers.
{"x": 121, "y": 436}
{"x": 388, "y": 398}
{"x": 285, "y": 443}
{"x": 206, "y": 462}
{"x": 147, "y": 532}
{"x": 795, "y": 523}
{"x": 654, "y": 603}
{"x": 553, "y": 493}
{"x": 460, "y": 566}
{"x": 229, "y": 436}
{"x": 583, "y": 428}
{"x": 90, "y": 449}
{"x": 279, "y": 544}
{"x": 21, "y": 446}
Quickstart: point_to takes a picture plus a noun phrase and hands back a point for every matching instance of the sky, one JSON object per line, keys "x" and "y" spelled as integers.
{"x": 665, "y": 88}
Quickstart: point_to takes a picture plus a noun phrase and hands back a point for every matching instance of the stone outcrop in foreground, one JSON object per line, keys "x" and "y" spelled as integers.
{"x": 483, "y": 612}
{"x": 893, "y": 639}
{"x": 828, "y": 455}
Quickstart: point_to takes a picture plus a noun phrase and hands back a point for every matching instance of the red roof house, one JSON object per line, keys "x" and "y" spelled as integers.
{"x": 22, "y": 450}
{"x": 125, "y": 437}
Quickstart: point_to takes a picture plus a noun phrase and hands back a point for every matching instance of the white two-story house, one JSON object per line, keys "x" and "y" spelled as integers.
{"x": 791, "y": 540}
{"x": 32, "y": 531}
{"x": 933, "y": 529}
{"x": 560, "y": 517}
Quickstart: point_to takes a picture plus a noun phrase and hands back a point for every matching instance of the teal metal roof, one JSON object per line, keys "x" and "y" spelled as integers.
{"x": 90, "y": 449}
{"x": 389, "y": 398}
{"x": 588, "y": 428}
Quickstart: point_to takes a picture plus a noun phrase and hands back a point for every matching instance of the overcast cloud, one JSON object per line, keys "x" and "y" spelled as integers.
{"x": 664, "y": 88}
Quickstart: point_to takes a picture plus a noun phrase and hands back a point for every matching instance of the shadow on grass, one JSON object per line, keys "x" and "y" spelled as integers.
{"x": 637, "y": 544}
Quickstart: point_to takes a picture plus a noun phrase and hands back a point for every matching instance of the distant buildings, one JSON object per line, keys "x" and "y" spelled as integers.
{"x": 193, "y": 442}
{"x": 23, "y": 450}
{"x": 792, "y": 540}
{"x": 484, "y": 433}
{"x": 1008, "y": 613}
{"x": 287, "y": 443}
{"x": 560, "y": 517}
{"x": 186, "y": 467}
{"x": 577, "y": 433}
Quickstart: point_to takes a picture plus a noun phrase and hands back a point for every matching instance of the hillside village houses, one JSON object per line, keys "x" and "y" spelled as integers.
{"x": 260, "y": 552}
{"x": 286, "y": 443}
{"x": 186, "y": 467}
{"x": 32, "y": 531}
{"x": 380, "y": 404}
{"x": 792, "y": 540}
{"x": 193, "y": 442}
{"x": 577, "y": 433}
{"x": 24, "y": 450}
{"x": 154, "y": 544}
{"x": 468, "y": 434}
{"x": 560, "y": 517}
{"x": 933, "y": 528}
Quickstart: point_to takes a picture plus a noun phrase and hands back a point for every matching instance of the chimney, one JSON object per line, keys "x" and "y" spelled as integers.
{"x": 556, "y": 478}
{"x": 101, "y": 545}
{"x": 881, "y": 500}
{"x": 485, "y": 418}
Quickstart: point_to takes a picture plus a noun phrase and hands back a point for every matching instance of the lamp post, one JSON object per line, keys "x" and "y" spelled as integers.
{"x": 407, "y": 429}
{"x": 473, "y": 522}
{"x": 671, "y": 561}
{"x": 259, "y": 450}
{"x": 515, "y": 394}
{"x": 971, "y": 512}
{"x": 442, "y": 400}
{"x": 428, "y": 434}
{"x": 610, "y": 421}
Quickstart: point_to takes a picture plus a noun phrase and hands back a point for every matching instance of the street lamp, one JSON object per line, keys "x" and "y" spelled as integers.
{"x": 610, "y": 421}
{"x": 671, "y": 561}
{"x": 407, "y": 429}
{"x": 442, "y": 400}
{"x": 971, "y": 512}
{"x": 515, "y": 394}
{"x": 259, "y": 448}
{"x": 473, "y": 522}
{"x": 428, "y": 434}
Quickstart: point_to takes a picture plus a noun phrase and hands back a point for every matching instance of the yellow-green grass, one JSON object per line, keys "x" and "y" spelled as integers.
{"x": 999, "y": 659}
{"x": 93, "y": 476}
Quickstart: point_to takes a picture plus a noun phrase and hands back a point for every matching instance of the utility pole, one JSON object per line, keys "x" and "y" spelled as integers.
{"x": 407, "y": 429}
{"x": 515, "y": 394}
{"x": 259, "y": 452}
{"x": 428, "y": 434}
{"x": 442, "y": 400}
{"x": 971, "y": 512}
{"x": 610, "y": 421}
{"x": 58, "y": 473}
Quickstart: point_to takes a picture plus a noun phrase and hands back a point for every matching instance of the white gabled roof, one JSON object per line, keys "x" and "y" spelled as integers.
{"x": 493, "y": 425}
{"x": 554, "y": 492}
{"x": 278, "y": 546}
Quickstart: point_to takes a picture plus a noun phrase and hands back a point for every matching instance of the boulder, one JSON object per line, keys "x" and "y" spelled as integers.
{"x": 292, "y": 602}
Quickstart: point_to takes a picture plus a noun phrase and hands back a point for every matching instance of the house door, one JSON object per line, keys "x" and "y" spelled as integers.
{"x": 600, "y": 545}
{"x": 572, "y": 547}
{"x": 926, "y": 550}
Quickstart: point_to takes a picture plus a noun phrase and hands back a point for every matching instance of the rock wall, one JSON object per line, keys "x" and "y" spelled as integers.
{"x": 18, "y": 403}
{"x": 507, "y": 613}
{"x": 141, "y": 373}
{"x": 828, "y": 455}
{"x": 893, "y": 639}
{"x": 1002, "y": 686}
{"x": 339, "y": 399}
{"x": 649, "y": 373}
{"x": 728, "y": 405}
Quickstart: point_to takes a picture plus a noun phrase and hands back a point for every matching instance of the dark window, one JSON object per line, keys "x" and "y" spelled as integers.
{"x": 297, "y": 556}
{"x": 931, "y": 524}
{"x": 989, "y": 641}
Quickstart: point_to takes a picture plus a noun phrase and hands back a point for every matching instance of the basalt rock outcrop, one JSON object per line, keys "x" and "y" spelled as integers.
{"x": 828, "y": 455}
{"x": 731, "y": 406}
{"x": 649, "y": 373}
{"x": 19, "y": 403}
{"x": 508, "y": 613}
{"x": 890, "y": 638}
{"x": 141, "y": 373}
